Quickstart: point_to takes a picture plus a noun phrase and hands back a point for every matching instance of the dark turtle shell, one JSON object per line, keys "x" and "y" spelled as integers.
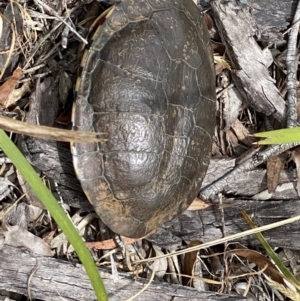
{"x": 148, "y": 81}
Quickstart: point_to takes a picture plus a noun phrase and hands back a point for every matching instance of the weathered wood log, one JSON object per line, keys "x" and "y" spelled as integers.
{"x": 272, "y": 17}
{"x": 51, "y": 279}
{"x": 250, "y": 71}
{"x": 206, "y": 225}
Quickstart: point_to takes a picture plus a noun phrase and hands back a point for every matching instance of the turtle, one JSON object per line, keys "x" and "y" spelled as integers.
{"x": 147, "y": 81}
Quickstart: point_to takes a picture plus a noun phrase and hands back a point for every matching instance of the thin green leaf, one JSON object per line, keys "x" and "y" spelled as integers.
{"x": 56, "y": 211}
{"x": 282, "y": 136}
{"x": 284, "y": 270}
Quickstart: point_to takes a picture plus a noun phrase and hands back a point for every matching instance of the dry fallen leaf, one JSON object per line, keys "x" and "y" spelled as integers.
{"x": 189, "y": 262}
{"x": 160, "y": 265}
{"x": 17, "y": 94}
{"x": 208, "y": 20}
{"x": 4, "y": 187}
{"x": 274, "y": 166}
{"x": 261, "y": 261}
{"x": 19, "y": 237}
{"x": 7, "y": 87}
{"x": 198, "y": 205}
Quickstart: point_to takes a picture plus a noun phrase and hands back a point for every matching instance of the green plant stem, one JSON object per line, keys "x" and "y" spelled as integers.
{"x": 50, "y": 203}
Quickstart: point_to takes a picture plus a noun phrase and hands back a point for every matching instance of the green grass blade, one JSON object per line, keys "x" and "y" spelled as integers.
{"x": 282, "y": 136}
{"x": 284, "y": 270}
{"x": 50, "y": 203}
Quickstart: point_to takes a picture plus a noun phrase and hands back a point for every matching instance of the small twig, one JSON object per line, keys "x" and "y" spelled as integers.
{"x": 209, "y": 192}
{"x": 66, "y": 30}
{"x": 40, "y": 75}
{"x": 34, "y": 51}
{"x": 30, "y": 277}
{"x": 52, "y": 11}
{"x": 291, "y": 64}
{"x": 220, "y": 197}
{"x": 31, "y": 70}
{"x": 45, "y": 132}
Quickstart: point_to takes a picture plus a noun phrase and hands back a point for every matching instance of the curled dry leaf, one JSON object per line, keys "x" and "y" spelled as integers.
{"x": 19, "y": 237}
{"x": 189, "y": 262}
{"x": 261, "y": 261}
{"x": 208, "y": 20}
{"x": 4, "y": 187}
{"x": 17, "y": 94}
{"x": 198, "y": 204}
{"x": 159, "y": 265}
{"x": 242, "y": 133}
{"x": 7, "y": 87}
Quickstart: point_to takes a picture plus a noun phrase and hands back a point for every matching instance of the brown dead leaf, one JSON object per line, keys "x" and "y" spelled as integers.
{"x": 274, "y": 166}
{"x": 218, "y": 48}
{"x": 49, "y": 237}
{"x": 17, "y": 94}
{"x": 189, "y": 262}
{"x": 208, "y": 20}
{"x": 242, "y": 133}
{"x": 198, "y": 204}
{"x": 7, "y": 87}
{"x": 261, "y": 262}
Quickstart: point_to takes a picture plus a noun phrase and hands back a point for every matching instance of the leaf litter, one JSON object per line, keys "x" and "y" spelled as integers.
{"x": 32, "y": 43}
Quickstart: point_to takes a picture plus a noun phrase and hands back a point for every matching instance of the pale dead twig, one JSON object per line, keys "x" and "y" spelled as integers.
{"x": 46, "y": 132}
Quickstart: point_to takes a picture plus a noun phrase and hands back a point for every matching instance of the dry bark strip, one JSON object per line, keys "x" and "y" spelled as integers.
{"x": 249, "y": 72}
{"x": 56, "y": 280}
{"x": 272, "y": 17}
{"x": 206, "y": 225}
